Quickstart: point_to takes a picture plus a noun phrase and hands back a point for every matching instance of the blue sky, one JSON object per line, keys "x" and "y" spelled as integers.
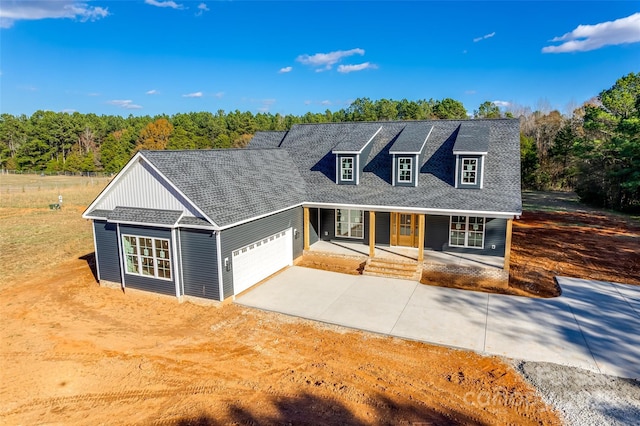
{"x": 167, "y": 56}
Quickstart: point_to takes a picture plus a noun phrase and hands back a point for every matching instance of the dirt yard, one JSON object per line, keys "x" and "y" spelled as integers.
{"x": 75, "y": 353}
{"x": 557, "y": 236}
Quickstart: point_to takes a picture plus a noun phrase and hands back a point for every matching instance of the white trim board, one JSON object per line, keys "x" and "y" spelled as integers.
{"x": 443, "y": 212}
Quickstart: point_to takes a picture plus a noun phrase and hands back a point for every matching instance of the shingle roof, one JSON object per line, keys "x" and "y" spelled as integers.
{"x": 350, "y": 137}
{"x": 472, "y": 137}
{"x": 412, "y": 139}
{"x": 266, "y": 139}
{"x": 232, "y": 185}
{"x": 99, "y": 213}
{"x": 194, "y": 221}
{"x": 148, "y": 216}
{"x": 310, "y": 146}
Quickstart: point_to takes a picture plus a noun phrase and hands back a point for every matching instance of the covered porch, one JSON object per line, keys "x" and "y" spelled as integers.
{"x": 407, "y": 245}
{"x": 398, "y": 253}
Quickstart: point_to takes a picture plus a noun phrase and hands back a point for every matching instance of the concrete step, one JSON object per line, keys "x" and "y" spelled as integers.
{"x": 392, "y": 268}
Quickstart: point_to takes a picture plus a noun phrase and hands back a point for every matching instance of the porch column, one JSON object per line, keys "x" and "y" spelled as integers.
{"x": 507, "y": 245}
{"x": 420, "y": 237}
{"x": 372, "y": 233}
{"x": 305, "y": 225}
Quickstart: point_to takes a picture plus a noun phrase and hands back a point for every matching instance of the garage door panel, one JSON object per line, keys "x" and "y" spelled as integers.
{"x": 256, "y": 261}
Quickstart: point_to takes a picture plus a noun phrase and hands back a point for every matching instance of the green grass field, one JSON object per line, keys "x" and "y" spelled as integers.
{"x": 33, "y": 237}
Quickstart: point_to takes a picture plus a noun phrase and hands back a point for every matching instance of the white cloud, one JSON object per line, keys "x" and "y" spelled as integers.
{"x": 126, "y": 104}
{"x": 285, "y": 70}
{"x": 202, "y": 8}
{"x": 325, "y": 102}
{"x": 93, "y": 94}
{"x": 266, "y": 104}
{"x": 169, "y": 3}
{"x": 151, "y": 92}
{"x": 219, "y": 95}
{"x": 68, "y": 111}
{"x": 591, "y": 37}
{"x": 484, "y": 37}
{"x": 12, "y": 11}
{"x": 503, "y": 104}
{"x": 358, "y": 67}
{"x": 325, "y": 61}
{"x": 470, "y": 92}
{"x": 193, "y": 95}
{"x": 308, "y": 102}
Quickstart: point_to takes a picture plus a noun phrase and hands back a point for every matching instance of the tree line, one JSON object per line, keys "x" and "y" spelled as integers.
{"x": 594, "y": 151}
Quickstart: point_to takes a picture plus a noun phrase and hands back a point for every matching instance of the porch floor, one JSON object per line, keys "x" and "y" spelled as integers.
{"x": 348, "y": 248}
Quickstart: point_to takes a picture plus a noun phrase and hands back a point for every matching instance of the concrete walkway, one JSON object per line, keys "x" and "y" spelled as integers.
{"x": 593, "y": 325}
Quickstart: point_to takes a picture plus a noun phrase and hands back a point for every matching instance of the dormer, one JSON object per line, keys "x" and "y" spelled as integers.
{"x": 407, "y": 154}
{"x": 351, "y": 154}
{"x": 470, "y": 150}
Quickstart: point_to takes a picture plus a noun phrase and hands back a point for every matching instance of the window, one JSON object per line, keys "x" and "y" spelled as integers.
{"x": 148, "y": 257}
{"x": 469, "y": 171}
{"x": 466, "y": 231}
{"x": 346, "y": 168}
{"x": 404, "y": 169}
{"x": 349, "y": 223}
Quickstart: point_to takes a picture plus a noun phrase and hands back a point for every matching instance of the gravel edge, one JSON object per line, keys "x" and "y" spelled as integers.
{"x": 583, "y": 397}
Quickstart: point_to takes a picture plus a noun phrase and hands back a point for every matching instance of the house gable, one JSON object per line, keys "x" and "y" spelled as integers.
{"x": 140, "y": 186}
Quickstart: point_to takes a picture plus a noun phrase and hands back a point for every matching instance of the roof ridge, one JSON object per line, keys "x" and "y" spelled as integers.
{"x": 275, "y": 148}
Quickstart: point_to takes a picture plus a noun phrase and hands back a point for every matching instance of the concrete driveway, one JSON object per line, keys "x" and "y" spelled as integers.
{"x": 594, "y": 325}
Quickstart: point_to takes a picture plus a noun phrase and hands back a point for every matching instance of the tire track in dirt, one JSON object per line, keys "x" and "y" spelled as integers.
{"x": 109, "y": 397}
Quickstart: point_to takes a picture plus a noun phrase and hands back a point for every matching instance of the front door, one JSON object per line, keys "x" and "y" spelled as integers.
{"x": 404, "y": 229}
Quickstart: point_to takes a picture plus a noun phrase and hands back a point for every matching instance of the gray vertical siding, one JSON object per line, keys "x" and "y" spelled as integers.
{"x": 437, "y": 236}
{"x": 199, "y": 264}
{"x": 383, "y": 228}
{"x": 327, "y": 224}
{"x": 242, "y": 235}
{"x": 107, "y": 254}
{"x": 314, "y": 215}
{"x": 146, "y": 283}
{"x": 364, "y": 156}
{"x": 436, "y": 233}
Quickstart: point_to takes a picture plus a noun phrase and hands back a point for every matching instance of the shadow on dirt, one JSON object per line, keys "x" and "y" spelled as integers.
{"x": 90, "y": 258}
{"x": 310, "y": 409}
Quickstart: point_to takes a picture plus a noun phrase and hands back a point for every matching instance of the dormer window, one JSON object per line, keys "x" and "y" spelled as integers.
{"x": 469, "y": 171}
{"x": 352, "y": 152}
{"x": 346, "y": 168}
{"x": 407, "y": 153}
{"x": 470, "y": 150}
{"x": 404, "y": 169}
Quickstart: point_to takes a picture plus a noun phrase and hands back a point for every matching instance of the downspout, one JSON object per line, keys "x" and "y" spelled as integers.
{"x": 122, "y": 261}
{"x": 219, "y": 261}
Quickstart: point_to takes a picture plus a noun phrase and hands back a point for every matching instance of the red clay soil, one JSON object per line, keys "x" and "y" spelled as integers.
{"x": 589, "y": 245}
{"x": 75, "y": 353}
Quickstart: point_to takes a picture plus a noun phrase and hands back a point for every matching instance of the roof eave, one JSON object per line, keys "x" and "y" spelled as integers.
{"x": 418, "y": 210}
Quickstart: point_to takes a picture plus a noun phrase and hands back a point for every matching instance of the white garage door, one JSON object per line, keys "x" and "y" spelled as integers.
{"x": 256, "y": 261}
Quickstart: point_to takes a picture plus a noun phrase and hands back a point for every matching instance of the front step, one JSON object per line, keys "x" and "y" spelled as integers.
{"x": 381, "y": 267}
